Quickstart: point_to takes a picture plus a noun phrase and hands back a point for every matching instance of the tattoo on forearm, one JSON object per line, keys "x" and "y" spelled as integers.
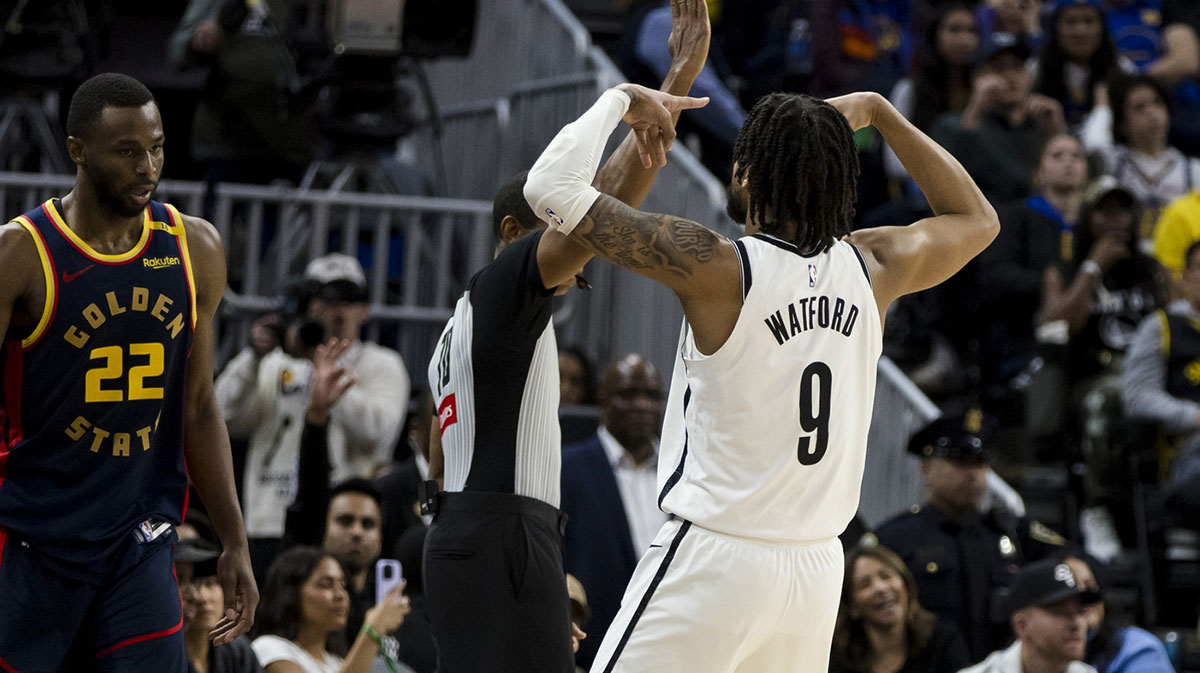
{"x": 640, "y": 241}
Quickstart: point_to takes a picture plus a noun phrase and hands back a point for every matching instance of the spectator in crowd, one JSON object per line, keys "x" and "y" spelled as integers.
{"x": 1079, "y": 54}
{"x": 1091, "y": 306}
{"x": 610, "y": 492}
{"x": 576, "y": 379}
{"x": 998, "y": 133}
{"x": 940, "y": 82}
{"x": 263, "y": 394}
{"x": 299, "y": 628}
{"x": 1161, "y": 40}
{"x": 1130, "y": 136}
{"x": 1022, "y": 18}
{"x": 1177, "y": 229}
{"x": 861, "y": 45}
{"x": 881, "y": 626}
{"x": 1048, "y": 608}
{"x": 1112, "y": 648}
{"x": 248, "y": 48}
{"x": 1161, "y": 383}
{"x": 203, "y": 602}
{"x": 962, "y": 559}
{"x": 581, "y": 614}
{"x": 578, "y": 416}
{"x": 1035, "y": 233}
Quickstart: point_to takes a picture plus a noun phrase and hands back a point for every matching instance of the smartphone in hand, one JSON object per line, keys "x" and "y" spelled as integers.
{"x": 388, "y": 574}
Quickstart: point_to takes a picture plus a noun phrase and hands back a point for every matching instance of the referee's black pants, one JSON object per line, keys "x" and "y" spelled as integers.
{"x": 495, "y": 585}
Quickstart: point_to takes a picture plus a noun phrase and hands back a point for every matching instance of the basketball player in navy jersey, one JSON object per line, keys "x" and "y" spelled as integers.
{"x": 765, "y": 434}
{"x": 106, "y": 311}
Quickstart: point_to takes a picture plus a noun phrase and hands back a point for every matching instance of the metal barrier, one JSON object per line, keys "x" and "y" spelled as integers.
{"x": 892, "y": 479}
{"x": 515, "y": 41}
{"x": 419, "y": 252}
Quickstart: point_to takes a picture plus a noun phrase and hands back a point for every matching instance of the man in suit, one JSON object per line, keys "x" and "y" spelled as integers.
{"x": 610, "y": 494}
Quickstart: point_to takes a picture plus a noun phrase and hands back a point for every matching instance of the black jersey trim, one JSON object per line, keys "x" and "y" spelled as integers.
{"x": 744, "y": 260}
{"x": 782, "y": 244}
{"x": 862, "y": 262}
{"x": 678, "y": 473}
{"x": 658, "y": 578}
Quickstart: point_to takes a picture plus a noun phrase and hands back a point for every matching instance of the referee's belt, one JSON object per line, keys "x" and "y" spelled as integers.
{"x": 489, "y": 502}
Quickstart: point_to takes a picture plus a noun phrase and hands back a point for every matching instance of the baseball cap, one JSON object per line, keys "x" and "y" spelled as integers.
{"x": 1102, "y": 187}
{"x": 201, "y": 553}
{"x": 1046, "y": 582}
{"x": 963, "y": 437}
{"x": 999, "y": 43}
{"x": 337, "y": 277}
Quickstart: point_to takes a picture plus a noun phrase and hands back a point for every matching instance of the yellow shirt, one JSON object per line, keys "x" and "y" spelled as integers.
{"x": 1177, "y": 229}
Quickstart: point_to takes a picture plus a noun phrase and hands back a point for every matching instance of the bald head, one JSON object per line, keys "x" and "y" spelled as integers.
{"x": 631, "y": 404}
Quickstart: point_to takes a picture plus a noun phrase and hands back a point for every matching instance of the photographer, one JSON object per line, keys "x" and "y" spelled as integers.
{"x": 263, "y": 393}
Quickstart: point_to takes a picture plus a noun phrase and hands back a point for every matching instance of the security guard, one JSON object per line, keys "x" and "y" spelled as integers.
{"x": 962, "y": 559}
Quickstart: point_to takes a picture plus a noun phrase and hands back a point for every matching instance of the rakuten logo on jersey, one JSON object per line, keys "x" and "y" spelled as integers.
{"x": 447, "y": 415}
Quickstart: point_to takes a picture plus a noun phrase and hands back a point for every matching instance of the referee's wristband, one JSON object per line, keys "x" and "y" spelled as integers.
{"x": 375, "y": 635}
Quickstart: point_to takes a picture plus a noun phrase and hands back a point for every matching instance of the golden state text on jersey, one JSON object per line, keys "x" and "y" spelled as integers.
{"x": 93, "y": 394}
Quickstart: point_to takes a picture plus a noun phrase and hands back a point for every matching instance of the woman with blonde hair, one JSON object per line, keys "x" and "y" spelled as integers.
{"x": 881, "y": 626}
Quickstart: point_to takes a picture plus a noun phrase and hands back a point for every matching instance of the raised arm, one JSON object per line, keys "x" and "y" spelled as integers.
{"x": 206, "y": 443}
{"x": 927, "y": 252}
{"x": 683, "y": 255}
{"x": 628, "y": 174}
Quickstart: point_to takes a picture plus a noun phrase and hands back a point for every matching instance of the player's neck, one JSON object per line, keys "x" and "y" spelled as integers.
{"x": 104, "y": 230}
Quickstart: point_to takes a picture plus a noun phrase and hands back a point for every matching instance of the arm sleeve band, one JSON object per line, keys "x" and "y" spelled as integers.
{"x": 559, "y": 187}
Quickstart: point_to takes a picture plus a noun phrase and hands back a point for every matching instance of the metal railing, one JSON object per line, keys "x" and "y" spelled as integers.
{"x": 418, "y": 252}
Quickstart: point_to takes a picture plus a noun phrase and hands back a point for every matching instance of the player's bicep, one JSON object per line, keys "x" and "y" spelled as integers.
{"x": 921, "y": 255}
{"x": 674, "y": 251}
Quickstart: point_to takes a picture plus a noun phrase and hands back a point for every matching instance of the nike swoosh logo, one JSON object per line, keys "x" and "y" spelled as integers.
{"x": 68, "y": 277}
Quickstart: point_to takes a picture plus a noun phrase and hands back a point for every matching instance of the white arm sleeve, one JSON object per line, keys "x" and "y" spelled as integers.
{"x": 559, "y": 186}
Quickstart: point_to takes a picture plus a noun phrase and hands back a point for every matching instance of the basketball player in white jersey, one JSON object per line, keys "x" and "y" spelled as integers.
{"x": 763, "y": 448}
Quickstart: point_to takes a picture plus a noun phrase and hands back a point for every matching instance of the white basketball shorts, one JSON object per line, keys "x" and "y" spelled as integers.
{"x": 705, "y": 602}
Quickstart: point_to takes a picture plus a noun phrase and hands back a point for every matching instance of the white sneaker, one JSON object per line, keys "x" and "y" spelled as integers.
{"x": 1099, "y": 535}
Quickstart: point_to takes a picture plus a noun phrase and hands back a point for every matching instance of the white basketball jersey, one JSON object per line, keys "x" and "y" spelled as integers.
{"x": 766, "y": 438}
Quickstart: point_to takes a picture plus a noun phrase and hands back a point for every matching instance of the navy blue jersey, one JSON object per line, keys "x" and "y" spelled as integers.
{"x": 91, "y": 415}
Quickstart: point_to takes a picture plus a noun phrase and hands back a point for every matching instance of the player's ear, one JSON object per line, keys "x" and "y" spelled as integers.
{"x": 511, "y": 229}
{"x": 76, "y": 151}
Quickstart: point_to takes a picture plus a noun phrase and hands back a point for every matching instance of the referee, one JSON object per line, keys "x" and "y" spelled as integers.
{"x": 493, "y": 568}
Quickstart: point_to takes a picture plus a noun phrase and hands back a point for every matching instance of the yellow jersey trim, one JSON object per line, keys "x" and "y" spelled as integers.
{"x": 91, "y": 252}
{"x": 180, "y": 231}
{"x": 51, "y": 288}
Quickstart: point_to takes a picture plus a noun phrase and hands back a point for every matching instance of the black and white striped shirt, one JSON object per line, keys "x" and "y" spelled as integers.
{"x": 494, "y": 377}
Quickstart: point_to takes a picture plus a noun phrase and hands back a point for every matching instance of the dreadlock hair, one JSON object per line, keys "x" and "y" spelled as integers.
{"x": 108, "y": 89}
{"x": 798, "y": 158}
{"x": 510, "y": 200}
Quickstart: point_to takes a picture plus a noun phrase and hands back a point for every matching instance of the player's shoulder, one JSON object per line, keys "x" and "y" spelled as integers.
{"x": 18, "y": 250}
{"x": 199, "y": 230}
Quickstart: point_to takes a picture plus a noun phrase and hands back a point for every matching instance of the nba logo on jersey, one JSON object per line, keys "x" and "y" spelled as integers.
{"x": 812, "y": 275}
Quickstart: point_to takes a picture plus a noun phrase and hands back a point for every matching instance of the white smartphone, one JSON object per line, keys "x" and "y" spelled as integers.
{"x": 387, "y": 575}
